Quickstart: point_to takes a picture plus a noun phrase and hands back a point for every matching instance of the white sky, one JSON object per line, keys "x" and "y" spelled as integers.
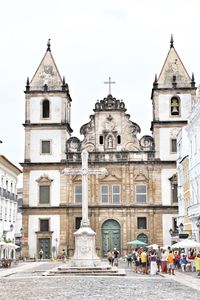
{"x": 90, "y": 41}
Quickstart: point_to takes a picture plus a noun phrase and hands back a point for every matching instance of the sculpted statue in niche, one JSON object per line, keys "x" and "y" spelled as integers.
{"x": 110, "y": 142}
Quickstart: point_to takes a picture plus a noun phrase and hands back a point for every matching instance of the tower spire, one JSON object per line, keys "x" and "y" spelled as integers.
{"x": 49, "y": 45}
{"x": 172, "y": 41}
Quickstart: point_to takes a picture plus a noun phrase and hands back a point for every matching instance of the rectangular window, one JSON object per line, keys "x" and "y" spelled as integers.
{"x": 174, "y": 193}
{"x": 44, "y": 225}
{"x": 104, "y": 193}
{"x": 141, "y": 193}
{"x": 44, "y": 194}
{"x": 173, "y": 146}
{"x": 115, "y": 194}
{"x": 78, "y": 223}
{"x": 78, "y": 193}
{"x": 141, "y": 223}
{"x": 46, "y": 147}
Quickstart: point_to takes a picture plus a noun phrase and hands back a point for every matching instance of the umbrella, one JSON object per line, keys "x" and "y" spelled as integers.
{"x": 137, "y": 243}
{"x": 153, "y": 246}
{"x": 187, "y": 243}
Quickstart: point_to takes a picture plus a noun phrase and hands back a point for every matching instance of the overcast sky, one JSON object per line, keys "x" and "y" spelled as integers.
{"x": 90, "y": 41}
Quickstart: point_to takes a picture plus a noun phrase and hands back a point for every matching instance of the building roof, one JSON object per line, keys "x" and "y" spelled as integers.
{"x": 173, "y": 70}
{"x": 47, "y": 73}
{"x": 4, "y": 161}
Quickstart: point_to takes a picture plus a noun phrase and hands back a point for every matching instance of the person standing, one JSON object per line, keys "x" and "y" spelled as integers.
{"x": 170, "y": 261}
{"x": 143, "y": 258}
{"x": 164, "y": 255}
{"x": 115, "y": 255}
{"x": 197, "y": 264}
{"x": 41, "y": 254}
{"x": 110, "y": 257}
{"x": 153, "y": 263}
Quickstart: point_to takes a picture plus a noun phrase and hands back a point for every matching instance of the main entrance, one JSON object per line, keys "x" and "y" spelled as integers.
{"x": 110, "y": 236}
{"x": 44, "y": 244}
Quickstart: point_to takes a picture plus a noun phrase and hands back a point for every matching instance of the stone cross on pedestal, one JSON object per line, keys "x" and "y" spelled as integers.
{"x": 84, "y": 171}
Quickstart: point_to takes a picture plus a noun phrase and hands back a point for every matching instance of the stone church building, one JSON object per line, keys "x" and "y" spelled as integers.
{"x": 136, "y": 199}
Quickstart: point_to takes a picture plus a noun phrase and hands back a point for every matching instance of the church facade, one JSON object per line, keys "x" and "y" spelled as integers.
{"x": 136, "y": 199}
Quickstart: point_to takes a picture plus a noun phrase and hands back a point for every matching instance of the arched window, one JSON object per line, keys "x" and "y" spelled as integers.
{"x": 119, "y": 139}
{"x": 175, "y": 106}
{"x": 45, "y": 108}
{"x": 101, "y": 139}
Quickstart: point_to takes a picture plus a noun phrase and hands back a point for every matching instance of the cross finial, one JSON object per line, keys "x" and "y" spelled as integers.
{"x": 171, "y": 41}
{"x": 49, "y": 45}
{"x": 109, "y": 82}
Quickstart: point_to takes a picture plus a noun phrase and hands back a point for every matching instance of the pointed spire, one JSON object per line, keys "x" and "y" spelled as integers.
{"x": 155, "y": 84}
{"x": 49, "y": 45}
{"x": 193, "y": 81}
{"x": 63, "y": 82}
{"x": 172, "y": 41}
{"x": 27, "y": 84}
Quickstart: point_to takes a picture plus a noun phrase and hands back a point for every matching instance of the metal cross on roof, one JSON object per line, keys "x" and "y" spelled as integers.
{"x": 109, "y": 82}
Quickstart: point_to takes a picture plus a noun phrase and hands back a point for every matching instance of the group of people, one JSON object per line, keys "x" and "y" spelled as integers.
{"x": 151, "y": 261}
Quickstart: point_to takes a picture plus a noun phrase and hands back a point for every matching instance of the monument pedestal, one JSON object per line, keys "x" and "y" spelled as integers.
{"x": 85, "y": 250}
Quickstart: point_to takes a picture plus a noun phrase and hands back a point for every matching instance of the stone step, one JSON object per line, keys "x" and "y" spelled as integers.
{"x": 85, "y": 272}
{"x": 84, "y": 268}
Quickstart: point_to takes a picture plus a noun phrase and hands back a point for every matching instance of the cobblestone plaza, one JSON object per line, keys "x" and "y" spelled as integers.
{"x": 26, "y": 282}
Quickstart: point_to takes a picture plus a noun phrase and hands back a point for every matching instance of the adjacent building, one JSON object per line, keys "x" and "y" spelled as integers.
{"x": 138, "y": 196}
{"x": 8, "y": 199}
{"x": 194, "y": 169}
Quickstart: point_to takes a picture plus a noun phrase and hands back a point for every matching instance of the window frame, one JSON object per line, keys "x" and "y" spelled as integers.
{"x": 140, "y": 219}
{"x": 139, "y": 194}
{"x": 48, "y": 222}
{"x": 46, "y": 153}
{"x": 42, "y": 109}
{"x": 49, "y": 197}
{"x": 110, "y": 193}
{"x": 78, "y": 194}
{"x": 171, "y": 145}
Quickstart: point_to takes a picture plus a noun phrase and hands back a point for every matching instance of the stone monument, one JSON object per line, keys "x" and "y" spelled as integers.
{"x": 85, "y": 249}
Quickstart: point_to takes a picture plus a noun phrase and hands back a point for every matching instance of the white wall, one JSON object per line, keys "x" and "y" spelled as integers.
{"x": 166, "y": 134}
{"x": 34, "y": 227}
{"x": 55, "y": 107}
{"x": 167, "y": 225}
{"x": 34, "y": 188}
{"x": 166, "y": 187}
{"x": 55, "y": 136}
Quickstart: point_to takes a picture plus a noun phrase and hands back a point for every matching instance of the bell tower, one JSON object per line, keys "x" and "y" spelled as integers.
{"x": 173, "y": 96}
{"x": 47, "y": 113}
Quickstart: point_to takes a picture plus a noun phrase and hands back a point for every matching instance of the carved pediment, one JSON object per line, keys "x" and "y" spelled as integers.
{"x": 111, "y": 178}
{"x": 77, "y": 178}
{"x": 44, "y": 179}
{"x": 140, "y": 176}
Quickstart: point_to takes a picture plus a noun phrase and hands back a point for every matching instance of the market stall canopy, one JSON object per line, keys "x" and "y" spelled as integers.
{"x": 137, "y": 243}
{"x": 187, "y": 243}
{"x": 153, "y": 246}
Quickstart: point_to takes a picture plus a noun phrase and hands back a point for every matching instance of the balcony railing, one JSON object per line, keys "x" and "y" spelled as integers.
{"x": 8, "y": 195}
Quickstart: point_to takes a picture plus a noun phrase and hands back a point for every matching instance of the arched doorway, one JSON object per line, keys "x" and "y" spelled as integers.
{"x": 143, "y": 238}
{"x": 110, "y": 236}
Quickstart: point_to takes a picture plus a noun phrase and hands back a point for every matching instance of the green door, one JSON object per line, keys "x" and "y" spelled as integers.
{"x": 110, "y": 236}
{"x": 44, "y": 244}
